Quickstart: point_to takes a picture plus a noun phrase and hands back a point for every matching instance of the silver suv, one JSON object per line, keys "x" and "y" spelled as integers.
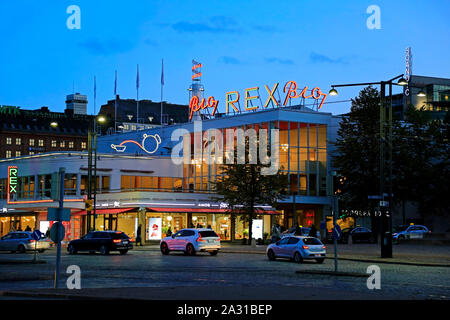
{"x": 22, "y": 242}
{"x": 191, "y": 241}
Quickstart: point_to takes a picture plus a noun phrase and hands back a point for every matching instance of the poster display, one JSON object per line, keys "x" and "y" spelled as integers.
{"x": 257, "y": 229}
{"x": 154, "y": 228}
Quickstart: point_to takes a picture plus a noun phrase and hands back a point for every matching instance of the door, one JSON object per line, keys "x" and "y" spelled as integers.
{"x": 291, "y": 246}
{"x": 84, "y": 243}
{"x": 5, "y": 242}
{"x": 279, "y": 248}
{"x": 173, "y": 242}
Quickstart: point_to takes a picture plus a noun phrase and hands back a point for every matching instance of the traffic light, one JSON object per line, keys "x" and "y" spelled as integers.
{"x": 89, "y": 204}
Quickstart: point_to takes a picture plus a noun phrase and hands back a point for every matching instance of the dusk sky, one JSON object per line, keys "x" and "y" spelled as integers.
{"x": 241, "y": 44}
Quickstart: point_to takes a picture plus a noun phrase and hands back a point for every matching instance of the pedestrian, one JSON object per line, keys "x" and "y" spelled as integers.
{"x": 169, "y": 232}
{"x": 28, "y": 228}
{"x": 47, "y": 233}
{"x": 138, "y": 236}
{"x": 313, "y": 231}
{"x": 19, "y": 229}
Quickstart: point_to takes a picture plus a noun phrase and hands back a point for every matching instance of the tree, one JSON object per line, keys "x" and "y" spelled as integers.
{"x": 357, "y": 151}
{"x": 243, "y": 187}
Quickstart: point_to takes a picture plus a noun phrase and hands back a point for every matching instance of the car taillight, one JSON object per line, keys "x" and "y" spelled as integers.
{"x": 199, "y": 239}
{"x": 305, "y": 247}
{"x": 32, "y": 241}
{"x": 324, "y": 247}
{"x": 117, "y": 240}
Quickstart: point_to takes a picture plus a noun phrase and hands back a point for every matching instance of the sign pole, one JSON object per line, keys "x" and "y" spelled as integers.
{"x": 61, "y": 206}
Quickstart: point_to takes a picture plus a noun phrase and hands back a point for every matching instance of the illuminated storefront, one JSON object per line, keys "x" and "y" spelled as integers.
{"x": 138, "y": 182}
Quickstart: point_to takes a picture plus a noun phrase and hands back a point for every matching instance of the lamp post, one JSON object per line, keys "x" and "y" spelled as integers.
{"x": 92, "y": 147}
{"x": 386, "y": 220}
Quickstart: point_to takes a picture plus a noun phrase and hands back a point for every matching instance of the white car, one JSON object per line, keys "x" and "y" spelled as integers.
{"x": 297, "y": 249}
{"x": 410, "y": 232}
{"x": 22, "y": 241}
{"x": 191, "y": 241}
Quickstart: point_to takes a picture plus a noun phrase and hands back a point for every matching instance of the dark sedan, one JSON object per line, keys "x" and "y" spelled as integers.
{"x": 102, "y": 241}
{"x": 358, "y": 234}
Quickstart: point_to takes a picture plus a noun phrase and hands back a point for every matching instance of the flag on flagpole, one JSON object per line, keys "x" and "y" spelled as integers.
{"x": 162, "y": 73}
{"x": 95, "y": 91}
{"x": 115, "y": 86}
{"x": 137, "y": 78}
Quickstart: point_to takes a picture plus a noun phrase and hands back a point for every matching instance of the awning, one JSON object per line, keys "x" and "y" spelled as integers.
{"x": 104, "y": 211}
{"x": 205, "y": 210}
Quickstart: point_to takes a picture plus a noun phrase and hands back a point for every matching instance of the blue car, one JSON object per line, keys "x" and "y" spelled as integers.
{"x": 409, "y": 232}
{"x": 297, "y": 249}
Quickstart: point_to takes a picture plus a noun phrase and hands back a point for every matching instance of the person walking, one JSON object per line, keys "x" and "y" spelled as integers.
{"x": 138, "y": 236}
{"x": 313, "y": 231}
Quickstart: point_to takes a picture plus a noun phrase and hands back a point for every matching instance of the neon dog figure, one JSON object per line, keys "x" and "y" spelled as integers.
{"x": 122, "y": 147}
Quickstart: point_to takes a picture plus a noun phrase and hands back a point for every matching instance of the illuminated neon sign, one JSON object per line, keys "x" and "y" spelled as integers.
{"x": 150, "y": 148}
{"x": 232, "y": 98}
{"x": 12, "y": 180}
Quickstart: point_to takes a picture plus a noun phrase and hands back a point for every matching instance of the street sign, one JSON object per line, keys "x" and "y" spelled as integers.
{"x": 337, "y": 232}
{"x": 36, "y": 235}
{"x": 384, "y": 203}
{"x": 53, "y": 214}
{"x": 57, "y": 232}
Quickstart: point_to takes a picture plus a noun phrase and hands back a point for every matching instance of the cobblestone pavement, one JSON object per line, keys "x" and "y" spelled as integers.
{"x": 146, "y": 267}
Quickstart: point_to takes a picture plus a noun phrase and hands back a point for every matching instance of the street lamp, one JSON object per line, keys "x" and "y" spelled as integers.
{"x": 54, "y": 124}
{"x": 92, "y": 142}
{"x": 386, "y": 237}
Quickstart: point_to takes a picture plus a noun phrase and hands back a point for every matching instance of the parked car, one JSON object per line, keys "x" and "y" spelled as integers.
{"x": 358, "y": 234}
{"x": 191, "y": 241}
{"x": 21, "y": 241}
{"x": 303, "y": 232}
{"x": 409, "y": 231}
{"x": 102, "y": 241}
{"x": 297, "y": 249}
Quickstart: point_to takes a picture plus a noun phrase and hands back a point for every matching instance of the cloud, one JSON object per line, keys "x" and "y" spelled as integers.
{"x": 229, "y": 60}
{"x": 278, "y": 60}
{"x": 216, "y": 24}
{"x": 106, "y": 47}
{"x": 320, "y": 58}
{"x": 266, "y": 28}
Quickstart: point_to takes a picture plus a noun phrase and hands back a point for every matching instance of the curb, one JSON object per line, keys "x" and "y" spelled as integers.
{"x": 332, "y": 273}
{"x": 22, "y": 262}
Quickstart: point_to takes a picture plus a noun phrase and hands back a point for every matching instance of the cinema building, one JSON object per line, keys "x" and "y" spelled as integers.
{"x": 138, "y": 183}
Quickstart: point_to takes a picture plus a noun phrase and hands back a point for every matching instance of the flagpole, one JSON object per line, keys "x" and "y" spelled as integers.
{"x": 162, "y": 85}
{"x": 115, "y": 104}
{"x": 137, "y": 95}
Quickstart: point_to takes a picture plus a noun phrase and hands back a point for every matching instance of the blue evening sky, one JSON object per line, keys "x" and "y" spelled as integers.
{"x": 241, "y": 44}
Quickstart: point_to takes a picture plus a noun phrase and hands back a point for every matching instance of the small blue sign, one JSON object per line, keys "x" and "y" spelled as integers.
{"x": 337, "y": 232}
{"x": 36, "y": 235}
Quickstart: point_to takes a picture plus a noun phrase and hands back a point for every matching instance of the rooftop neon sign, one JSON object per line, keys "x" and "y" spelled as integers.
{"x": 232, "y": 98}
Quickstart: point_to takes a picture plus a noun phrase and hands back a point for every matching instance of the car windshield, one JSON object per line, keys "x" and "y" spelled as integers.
{"x": 118, "y": 235}
{"x": 206, "y": 234}
{"x": 312, "y": 241}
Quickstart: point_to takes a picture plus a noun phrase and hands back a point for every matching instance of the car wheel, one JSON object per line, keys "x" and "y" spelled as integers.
{"x": 321, "y": 260}
{"x": 164, "y": 249}
{"x": 103, "y": 251}
{"x": 214, "y": 253}
{"x": 298, "y": 257}
{"x": 123, "y": 251}
{"x": 21, "y": 249}
{"x": 72, "y": 249}
{"x": 271, "y": 255}
{"x": 190, "y": 251}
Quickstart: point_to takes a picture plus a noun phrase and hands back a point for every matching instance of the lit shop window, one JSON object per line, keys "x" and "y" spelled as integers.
{"x": 62, "y": 144}
{"x": 8, "y": 153}
{"x": 71, "y": 144}
{"x": 41, "y": 143}
{"x": 83, "y": 145}
{"x": 32, "y": 142}
{"x": 8, "y": 140}
{"x": 31, "y": 153}
{"x": 18, "y": 153}
{"x": 54, "y": 143}
{"x": 18, "y": 141}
